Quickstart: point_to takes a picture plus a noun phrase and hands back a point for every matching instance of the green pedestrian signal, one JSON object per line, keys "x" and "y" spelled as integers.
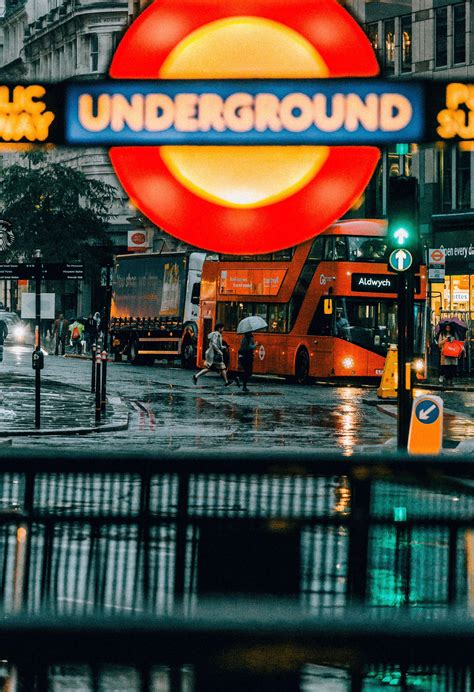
{"x": 403, "y": 231}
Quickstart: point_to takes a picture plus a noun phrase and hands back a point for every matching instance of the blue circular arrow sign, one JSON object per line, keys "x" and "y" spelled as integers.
{"x": 427, "y": 412}
{"x": 400, "y": 260}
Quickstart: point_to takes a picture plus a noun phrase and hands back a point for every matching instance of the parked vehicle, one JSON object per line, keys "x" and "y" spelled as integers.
{"x": 155, "y": 306}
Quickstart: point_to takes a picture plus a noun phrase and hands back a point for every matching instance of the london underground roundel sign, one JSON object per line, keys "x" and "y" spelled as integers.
{"x": 243, "y": 199}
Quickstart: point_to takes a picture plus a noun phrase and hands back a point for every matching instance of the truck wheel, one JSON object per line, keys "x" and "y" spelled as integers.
{"x": 302, "y": 366}
{"x": 188, "y": 353}
{"x": 133, "y": 356}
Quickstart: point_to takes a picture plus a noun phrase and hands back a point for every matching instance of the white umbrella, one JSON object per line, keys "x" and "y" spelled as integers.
{"x": 251, "y": 324}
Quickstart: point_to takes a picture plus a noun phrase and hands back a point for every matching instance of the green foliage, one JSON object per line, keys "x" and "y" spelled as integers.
{"x": 57, "y": 209}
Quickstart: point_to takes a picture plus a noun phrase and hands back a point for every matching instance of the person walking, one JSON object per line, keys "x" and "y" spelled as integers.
{"x": 76, "y": 329}
{"x": 215, "y": 357}
{"x": 60, "y": 333}
{"x": 90, "y": 332}
{"x": 449, "y": 354}
{"x": 246, "y": 353}
{"x": 3, "y": 336}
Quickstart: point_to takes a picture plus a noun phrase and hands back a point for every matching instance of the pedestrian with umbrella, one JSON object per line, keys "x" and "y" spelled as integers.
{"x": 214, "y": 357}
{"x": 247, "y": 346}
{"x": 451, "y": 349}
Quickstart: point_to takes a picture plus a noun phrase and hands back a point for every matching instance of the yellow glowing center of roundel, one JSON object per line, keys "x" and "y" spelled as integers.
{"x": 244, "y": 47}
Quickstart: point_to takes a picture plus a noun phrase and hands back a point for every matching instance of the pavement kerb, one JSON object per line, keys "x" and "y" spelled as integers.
{"x": 107, "y": 428}
{"x": 116, "y": 402}
{"x": 441, "y": 388}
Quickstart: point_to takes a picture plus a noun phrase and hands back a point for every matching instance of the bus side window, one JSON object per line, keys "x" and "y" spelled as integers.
{"x": 321, "y": 323}
{"x": 329, "y": 248}
{"x": 316, "y": 252}
{"x": 340, "y": 248}
{"x": 277, "y": 318}
{"x": 227, "y": 314}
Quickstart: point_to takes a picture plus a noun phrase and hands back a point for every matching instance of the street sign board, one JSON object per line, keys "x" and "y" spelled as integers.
{"x": 51, "y": 271}
{"x": 65, "y": 270}
{"x": 28, "y": 306}
{"x": 426, "y": 426}
{"x": 436, "y": 257}
{"x": 400, "y": 260}
{"x": 436, "y": 274}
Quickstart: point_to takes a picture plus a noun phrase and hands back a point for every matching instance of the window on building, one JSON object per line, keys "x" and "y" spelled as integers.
{"x": 94, "y": 52}
{"x": 445, "y": 175}
{"x": 373, "y": 35}
{"x": 116, "y": 38}
{"x": 406, "y": 32}
{"x": 441, "y": 37}
{"x": 459, "y": 33}
{"x": 463, "y": 180}
{"x": 389, "y": 46}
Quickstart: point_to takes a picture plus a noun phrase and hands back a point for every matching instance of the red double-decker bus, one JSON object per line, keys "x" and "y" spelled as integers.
{"x": 330, "y": 304}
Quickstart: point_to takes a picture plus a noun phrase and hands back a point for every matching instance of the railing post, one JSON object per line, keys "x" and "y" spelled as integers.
{"x": 98, "y": 391}
{"x": 358, "y": 557}
{"x": 93, "y": 350}
{"x": 182, "y": 519}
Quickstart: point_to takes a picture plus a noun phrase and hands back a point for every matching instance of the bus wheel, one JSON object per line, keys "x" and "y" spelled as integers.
{"x": 188, "y": 353}
{"x": 302, "y": 366}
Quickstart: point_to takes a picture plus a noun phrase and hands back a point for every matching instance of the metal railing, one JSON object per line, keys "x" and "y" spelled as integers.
{"x": 83, "y": 537}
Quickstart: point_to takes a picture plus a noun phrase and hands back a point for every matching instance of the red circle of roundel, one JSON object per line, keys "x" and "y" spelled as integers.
{"x": 138, "y": 238}
{"x": 340, "y": 182}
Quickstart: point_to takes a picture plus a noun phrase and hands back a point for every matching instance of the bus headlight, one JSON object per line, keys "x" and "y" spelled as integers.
{"x": 419, "y": 365}
{"x": 348, "y": 363}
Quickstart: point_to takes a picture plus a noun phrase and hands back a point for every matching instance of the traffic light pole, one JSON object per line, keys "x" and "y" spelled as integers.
{"x": 38, "y": 277}
{"x": 406, "y": 331}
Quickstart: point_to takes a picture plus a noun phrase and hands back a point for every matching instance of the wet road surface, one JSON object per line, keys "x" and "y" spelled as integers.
{"x": 168, "y": 410}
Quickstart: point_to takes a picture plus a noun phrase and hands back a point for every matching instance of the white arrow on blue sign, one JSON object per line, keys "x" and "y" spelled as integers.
{"x": 427, "y": 412}
{"x": 400, "y": 260}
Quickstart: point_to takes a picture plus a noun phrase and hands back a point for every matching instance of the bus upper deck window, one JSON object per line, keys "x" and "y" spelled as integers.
{"x": 336, "y": 248}
{"x": 316, "y": 252}
{"x": 367, "y": 249}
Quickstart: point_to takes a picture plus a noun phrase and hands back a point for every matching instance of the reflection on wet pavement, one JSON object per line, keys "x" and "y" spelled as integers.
{"x": 168, "y": 411}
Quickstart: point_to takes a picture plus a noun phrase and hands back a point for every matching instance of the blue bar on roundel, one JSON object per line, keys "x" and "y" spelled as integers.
{"x": 245, "y": 112}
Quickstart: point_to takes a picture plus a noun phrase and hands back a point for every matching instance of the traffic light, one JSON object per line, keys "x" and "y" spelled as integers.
{"x": 403, "y": 231}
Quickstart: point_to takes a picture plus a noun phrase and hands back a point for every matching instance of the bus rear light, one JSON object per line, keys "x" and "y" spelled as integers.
{"x": 348, "y": 363}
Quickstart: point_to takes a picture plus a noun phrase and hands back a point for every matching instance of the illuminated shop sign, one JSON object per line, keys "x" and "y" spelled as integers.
{"x": 250, "y": 112}
{"x": 457, "y": 119}
{"x": 24, "y": 114}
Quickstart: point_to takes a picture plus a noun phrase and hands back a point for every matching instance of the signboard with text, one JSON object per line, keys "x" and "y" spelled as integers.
{"x": 221, "y": 143}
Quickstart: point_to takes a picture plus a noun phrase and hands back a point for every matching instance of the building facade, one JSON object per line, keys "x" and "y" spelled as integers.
{"x": 431, "y": 39}
{"x": 54, "y": 40}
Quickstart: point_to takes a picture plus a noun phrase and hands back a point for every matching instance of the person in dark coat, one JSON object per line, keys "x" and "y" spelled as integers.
{"x": 246, "y": 353}
{"x": 3, "y": 336}
{"x": 60, "y": 333}
{"x": 90, "y": 332}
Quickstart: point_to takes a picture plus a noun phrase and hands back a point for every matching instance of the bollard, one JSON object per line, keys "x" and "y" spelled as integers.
{"x": 103, "y": 357}
{"x": 94, "y": 349}
{"x": 97, "y": 387}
